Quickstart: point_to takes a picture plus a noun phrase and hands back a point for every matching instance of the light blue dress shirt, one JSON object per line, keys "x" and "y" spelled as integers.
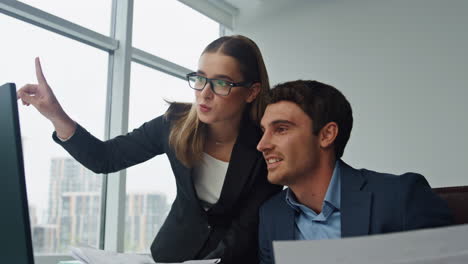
{"x": 327, "y": 225}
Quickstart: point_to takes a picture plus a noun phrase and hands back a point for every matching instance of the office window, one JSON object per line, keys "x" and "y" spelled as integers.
{"x": 172, "y": 31}
{"x": 95, "y": 15}
{"x": 65, "y": 197}
{"x": 55, "y": 181}
{"x": 150, "y": 186}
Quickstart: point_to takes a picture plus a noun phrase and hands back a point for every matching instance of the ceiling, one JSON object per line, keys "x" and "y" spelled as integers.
{"x": 250, "y": 10}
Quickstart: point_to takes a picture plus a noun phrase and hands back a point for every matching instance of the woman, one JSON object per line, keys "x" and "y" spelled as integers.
{"x": 211, "y": 145}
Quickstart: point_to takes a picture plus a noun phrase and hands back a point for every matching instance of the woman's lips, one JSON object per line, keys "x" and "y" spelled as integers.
{"x": 204, "y": 108}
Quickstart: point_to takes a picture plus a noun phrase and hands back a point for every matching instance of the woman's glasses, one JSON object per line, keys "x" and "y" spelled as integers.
{"x": 219, "y": 87}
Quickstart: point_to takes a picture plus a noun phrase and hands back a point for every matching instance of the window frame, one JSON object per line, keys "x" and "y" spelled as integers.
{"x": 121, "y": 54}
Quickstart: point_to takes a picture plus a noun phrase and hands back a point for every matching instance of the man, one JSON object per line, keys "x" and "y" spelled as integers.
{"x": 306, "y": 127}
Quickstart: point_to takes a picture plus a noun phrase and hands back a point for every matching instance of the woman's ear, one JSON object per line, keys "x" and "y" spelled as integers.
{"x": 328, "y": 134}
{"x": 254, "y": 90}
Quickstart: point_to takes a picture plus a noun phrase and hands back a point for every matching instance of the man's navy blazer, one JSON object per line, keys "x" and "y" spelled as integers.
{"x": 371, "y": 203}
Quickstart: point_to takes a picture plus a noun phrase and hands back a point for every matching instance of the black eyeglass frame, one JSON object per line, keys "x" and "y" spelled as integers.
{"x": 210, "y": 80}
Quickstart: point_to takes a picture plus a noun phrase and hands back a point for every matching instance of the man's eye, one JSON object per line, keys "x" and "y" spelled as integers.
{"x": 199, "y": 78}
{"x": 281, "y": 129}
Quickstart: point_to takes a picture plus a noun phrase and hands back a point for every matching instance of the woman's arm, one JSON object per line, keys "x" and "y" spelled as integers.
{"x": 120, "y": 152}
{"x": 99, "y": 156}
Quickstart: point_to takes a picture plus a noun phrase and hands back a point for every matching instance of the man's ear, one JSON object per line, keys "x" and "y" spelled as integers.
{"x": 328, "y": 134}
{"x": 254, "y": 91}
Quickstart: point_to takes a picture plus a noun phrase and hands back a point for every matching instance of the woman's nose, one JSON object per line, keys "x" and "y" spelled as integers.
{"x": 207, "y": 91}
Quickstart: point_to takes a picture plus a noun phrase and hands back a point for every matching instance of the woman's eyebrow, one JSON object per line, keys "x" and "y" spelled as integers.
{"x": 222, "y": 76}
{"x": 217, "y": 76}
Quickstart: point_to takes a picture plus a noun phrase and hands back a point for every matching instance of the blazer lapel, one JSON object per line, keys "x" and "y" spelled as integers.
{"x": 355, "y": 203}
{"x": 186, "y": 178}
{"x": 244, "y": 159}
{"x": 286, "y": 218}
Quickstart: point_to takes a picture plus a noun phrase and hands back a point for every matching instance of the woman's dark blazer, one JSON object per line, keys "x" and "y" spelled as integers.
{"x": 228, "y": 229}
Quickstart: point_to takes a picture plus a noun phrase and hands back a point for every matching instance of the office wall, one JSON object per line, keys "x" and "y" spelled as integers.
{"x": 402, "y": 64}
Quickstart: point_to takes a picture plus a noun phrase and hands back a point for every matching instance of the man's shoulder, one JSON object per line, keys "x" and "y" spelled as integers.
{"x": 383, "y": 182}
{"x": 376, "y": 177}
{"x": 407, "y": 178}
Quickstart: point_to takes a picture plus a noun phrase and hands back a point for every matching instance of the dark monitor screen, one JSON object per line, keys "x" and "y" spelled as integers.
{"x": 15, "y": 238}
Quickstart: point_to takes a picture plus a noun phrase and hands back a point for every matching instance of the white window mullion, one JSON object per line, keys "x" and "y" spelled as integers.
{"x": 117, "y": 121}
{"x": 56, "y": 24}
{"x": 160, "y": 64}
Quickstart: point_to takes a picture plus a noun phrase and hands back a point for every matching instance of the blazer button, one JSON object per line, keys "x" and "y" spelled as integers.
{"x": 209, "y": 226}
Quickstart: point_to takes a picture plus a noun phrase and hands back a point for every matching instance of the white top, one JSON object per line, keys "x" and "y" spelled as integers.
{"x": 209, "y": 178}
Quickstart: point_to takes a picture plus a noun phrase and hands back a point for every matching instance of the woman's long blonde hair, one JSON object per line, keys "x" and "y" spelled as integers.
{"x": 188, "y": 134}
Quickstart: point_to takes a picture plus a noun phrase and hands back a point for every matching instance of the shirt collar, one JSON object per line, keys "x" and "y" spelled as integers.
{"x": 332, "y": 196}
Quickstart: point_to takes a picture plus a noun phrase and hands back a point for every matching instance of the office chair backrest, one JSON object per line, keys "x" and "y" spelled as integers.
{"x": 457, "y": 200}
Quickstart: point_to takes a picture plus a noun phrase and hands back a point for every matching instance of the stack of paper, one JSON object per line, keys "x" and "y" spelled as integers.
{"x": 96, "y": 256}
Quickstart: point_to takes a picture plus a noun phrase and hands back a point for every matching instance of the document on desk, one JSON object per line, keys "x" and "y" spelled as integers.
{"x": 97, "y": 256}
{"x": 427, "y": 246}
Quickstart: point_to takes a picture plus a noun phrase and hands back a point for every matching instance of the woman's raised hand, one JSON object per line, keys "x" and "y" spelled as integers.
{"x": 40, "y": 95}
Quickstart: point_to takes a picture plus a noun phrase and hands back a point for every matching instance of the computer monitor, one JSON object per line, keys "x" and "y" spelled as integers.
{"x": 15, "y": 237}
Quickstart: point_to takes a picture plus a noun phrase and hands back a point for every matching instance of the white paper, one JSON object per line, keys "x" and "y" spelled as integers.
{"x": 434, "y": 246}
{"x": 96, "y": 256}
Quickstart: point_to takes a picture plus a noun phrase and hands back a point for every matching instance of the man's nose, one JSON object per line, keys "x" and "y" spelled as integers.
{"x": 264, "y": 143}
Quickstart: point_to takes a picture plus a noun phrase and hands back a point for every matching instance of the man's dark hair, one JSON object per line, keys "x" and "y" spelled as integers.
{"x": 322, "y": 103}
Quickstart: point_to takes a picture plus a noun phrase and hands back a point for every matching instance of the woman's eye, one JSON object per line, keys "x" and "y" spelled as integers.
{"x": 221, "y": 83}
